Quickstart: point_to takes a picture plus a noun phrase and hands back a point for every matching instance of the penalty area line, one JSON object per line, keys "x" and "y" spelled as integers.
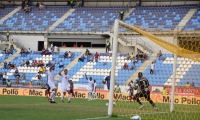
{"x": 96, "y": 118}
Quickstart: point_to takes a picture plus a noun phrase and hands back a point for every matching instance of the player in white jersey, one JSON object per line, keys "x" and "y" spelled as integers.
{"x": 94, "y": 90}
{"x": 52, "y": 84}
{"x": 90, "y": 87}
{"x": 64, "y": 83}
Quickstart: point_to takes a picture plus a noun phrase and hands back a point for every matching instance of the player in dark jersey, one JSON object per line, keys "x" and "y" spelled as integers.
{"x": 47, "y": 91}
{"x": 142, "y": 85}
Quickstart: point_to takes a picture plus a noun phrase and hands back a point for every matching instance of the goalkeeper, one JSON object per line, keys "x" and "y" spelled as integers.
{"x": 142, "y": 85}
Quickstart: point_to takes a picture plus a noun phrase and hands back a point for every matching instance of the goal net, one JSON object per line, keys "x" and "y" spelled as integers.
{"x": 184, "y": 44}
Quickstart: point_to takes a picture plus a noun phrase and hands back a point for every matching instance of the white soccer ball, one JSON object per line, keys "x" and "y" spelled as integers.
{"x": 136, "y": 117}
{"x": 114, "y": 104}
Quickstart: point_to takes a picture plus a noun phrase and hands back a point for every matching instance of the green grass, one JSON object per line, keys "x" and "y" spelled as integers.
{"x": 38, "y": 108}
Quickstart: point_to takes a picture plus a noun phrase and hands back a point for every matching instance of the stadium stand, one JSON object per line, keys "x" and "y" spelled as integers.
{"x": 6, "y": 10}
{"x": 194, "y": 22}
{"x": 88, "y": 18}
{"x": 37, "y": 19}
{"x": 167, "y": 17}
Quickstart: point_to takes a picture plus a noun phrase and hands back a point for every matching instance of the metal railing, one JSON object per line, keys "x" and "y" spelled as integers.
{"x": 18, "y": 43}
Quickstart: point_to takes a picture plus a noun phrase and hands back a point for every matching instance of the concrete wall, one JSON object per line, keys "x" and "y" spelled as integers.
{"x": 3, "y": 46}
{"x": 124, "y": 49}
{"x": 29, "y": 41}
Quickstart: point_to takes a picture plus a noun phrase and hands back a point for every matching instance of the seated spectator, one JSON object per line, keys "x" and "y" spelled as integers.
{"x": 192, "y": 85}
{"x": 39, "y": 76}
{"x": 187, "y": 85}
{"x": 37, "y": 4}
{"x": 90, "y": 58}
{"x": 127, "y": 56}
{"x": 28, "y": 51}
{"x": 2, "y": 6}
{"x": 23, "y": 63}
{"x": 9, "y": 3}
{"x": 23, "y": 78}
{"x": 16, "y": 71}
{"x": 1, "y": 75}
{"x": 140, "y": 56}
{"x": 125, "y": 66}
{"x": 74, "y": 45}
{"x": 9, "y": 66}
{"x": 135, "y": 60}
{"x": 5, "y": 66}
{"x": 13, "y": 3}
{"x": 69, "y": 54}
{"x": 159, "y": 54}
{"x": 44, "y": 69}
{"x": 41, "y": 70}
{"x": 82, "y": 58}
{"x": 110, "y": 53}
{"x": 5, "y": 76}
{"x": 64, "y": 46}
{"x": 61, "y": 65}
{"x": 131, "y": 56}
{"x": 66, "y": 54}
{"x": 43, "y": 51}
{"x": 12, "y": 66}
{"x": 49, "y": 64}
{"x": 35, "y": 63}
{"x": 8, "y": 84}
{"x": 27, "y": 63}
{"x": 27, "y": 9}
{"x": 144, "y": 56}
{"x": 22, "y": 51}
{"x": 96, "y": 57}
{"x": 87, "y": 52}
{"x": 41, "y": 6}
{"x": 6, "y": 51}
{"x": 40, "y": 63}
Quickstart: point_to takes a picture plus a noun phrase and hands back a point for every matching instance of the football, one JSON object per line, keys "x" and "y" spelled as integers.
{"x": 103, "y": 81}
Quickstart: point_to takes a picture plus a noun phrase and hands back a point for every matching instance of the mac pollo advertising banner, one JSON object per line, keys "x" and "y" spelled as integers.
{"x": 102, "y": 94}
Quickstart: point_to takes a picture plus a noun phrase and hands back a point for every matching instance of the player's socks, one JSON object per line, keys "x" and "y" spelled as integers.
{"x": 130, "y": 98}
{"x": 62, "y": 98}
{"x": 53, "y": 96}
{"x": 69, "y": 97}
{"x": 95, "y": 95}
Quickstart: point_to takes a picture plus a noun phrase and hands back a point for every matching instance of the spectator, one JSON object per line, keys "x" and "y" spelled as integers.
{"x": 12, "y": 66}
{"x": 118, "y": 89}
{"x": 9, "y": 66}
{"x": 90, "y": 58}
{"x": 81, "y": 46}
{"x": 125, "y": 66}
{"x": 1, "y": 75}
{"x": 28, "y": 51}
{"x": 49, "y": 64}
{"x": 107, "y": 46}
{"x": 6, "y": 51}
{"x": 16, "y": 72}
{"x": 159, "y": 54}
{"x": 152, "y": 68}
{"x": 64, "y": 46}
{"x": 8, "y": 35}
{"x": 5, "y": 76}
{"x": 192, "y": 85}
{"x": 52, "y": 46}
{"x": 61, "y": 65}
{"x": 187, "y": 85}
{"x": 23, "y": 63}
{"x": 96, "y": 56}
{"x": 27, "y": 63}
{"x": 8, "y": 84}
{"x": 135, "y": 60}
{"x": 132, "y": 67}
{"x": 22, "y": 51}
{"x": 110, "y": 53}
{"x": 121, "y": 14}
{"x": 41, "y": 6}
{"x": 37, "y": 4}
{"x": 44, "y": 69}
{"x": 9, "y": 2}
{"x": 35, "y": 63}
{"x": 66, "y": 54}
{"x": 144, "y": 56}
{"x": 17, "y": 77}
{"x": 27, "y": 8}
{"x": 141, "y": 56}
{"x": 164, "y": 91}
{"x": 69, "y": 54}
{"x": 82, "y": 58}
{"x": 131, "y": 56}
{"x": 41, "y": 70}
{"x": 127, "y": 56}
{"x": 87, "y": 52}
{"x": 40, "y": 63}
{"x": 43, "y": 51}
{"x": 5, "y": 66}
{"x": 2, "y": 6}
{"x": 11, "y": 51}
{"x": 24, "y": 79}
{"x": 74, "y": 45}
{"x": 39, "y": 76}
{"x": 11, "y": 44}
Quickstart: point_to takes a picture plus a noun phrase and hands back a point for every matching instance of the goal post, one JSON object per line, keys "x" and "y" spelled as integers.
{"x": 112, "y": 82}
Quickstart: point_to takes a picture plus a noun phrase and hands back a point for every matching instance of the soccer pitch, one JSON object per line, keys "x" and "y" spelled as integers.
{"x": 38, "y": 108}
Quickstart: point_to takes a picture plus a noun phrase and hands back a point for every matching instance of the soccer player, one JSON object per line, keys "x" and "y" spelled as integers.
{"x": 64, "y": 83}
{"x": 142, "y": 84}
{"x": 90, "y": 87}
{"x": 47, "y": 91}
{"x": 107, "y": 81}
{"x": 94, "y": 90}
{"x": 131, "y": 92}
{"x": 52, "y": 84}
{"x": 71, "y": 91}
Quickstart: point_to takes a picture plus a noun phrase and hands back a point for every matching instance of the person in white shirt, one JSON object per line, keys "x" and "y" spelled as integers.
{"x": 69, "y": 54}
{"x": 152, "y": 68}
{"x": 64, "y": 84}
{"x": 90, "y": 87}
{"x": 52, "y": 84}
{"x": 52, "y": 46}
{"x": 94, "y": 90}
{"x": 5, "y": 76}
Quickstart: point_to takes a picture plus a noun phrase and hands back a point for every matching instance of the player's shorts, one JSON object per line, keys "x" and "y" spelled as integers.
{"x": 145, "y": 94}
{"x": 51, "y": 85}
{"x": 71, "y": 91}
{"x": 64, "y": 89}
{"x": 48, "y": 89}
{"x": 95, "y": 90}
{"x": 89, "y": 90}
